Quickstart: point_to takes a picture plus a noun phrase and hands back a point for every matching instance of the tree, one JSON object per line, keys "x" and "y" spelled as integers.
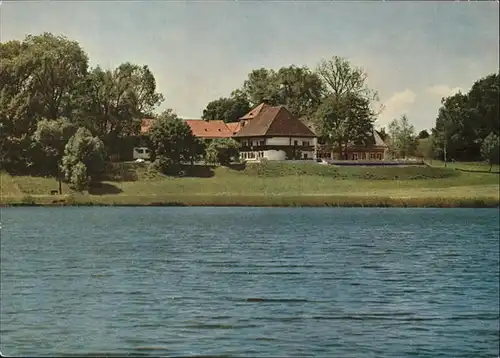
{"x": 83, "y": 159}
{"x": 40, "y": 78}
{"x": 261, "y": 86}
{"x": 344, "y": 120}
{"x": 341, "y": 78}
{"x": 116, "y": 101}
{"x": 297, "y": 88}
{"x": 484, "y": 104}
{"x": 425, "y": 148}
{"x": 490, "y": 149}
{"x": 222, "y": 151}
{"x": 300, "y": 90}
{"x": 172, "y": 143}
{"x": 403, "y": 142}
{"x": 423, "y": 134}
{"x": 454, "y": 133}
{"x": 52, "y": 136}
{"x": 465, "y": 120}
{"x": 226, "y": 109}
{"x": 56, "y": 67}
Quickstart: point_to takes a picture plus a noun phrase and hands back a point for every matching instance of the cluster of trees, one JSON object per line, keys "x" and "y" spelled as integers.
{"x": 467, "y": 128}
{"x": 468, "y": 124}
{"x": 333, "y": 98}
{"x": 58, "y": 114}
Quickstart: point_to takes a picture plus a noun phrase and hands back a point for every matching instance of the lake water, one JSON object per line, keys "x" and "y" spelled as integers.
{"x": 332, "y": 282}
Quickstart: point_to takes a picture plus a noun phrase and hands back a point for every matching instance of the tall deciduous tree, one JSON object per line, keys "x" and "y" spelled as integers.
{"x": 465, "y": 120}
{"x": 423, "y": 134}
{"x": 490, "y": 149}
{"x": 261, "y": 86}
{"x": 40, "y": 78}
{"x": 343, "y": 120}
{"x": 52, "y": 136}
{"x": 226, "y": 109}
{"x": 173, "y": 143}
{"x": 342, "y": 78}
{"x": 83, "y": 159}
{"x": 117, "y": 100}
{"x": 403, "y": 142}
{"x": 297, "y": 88}
{"x": 454, "y": 131}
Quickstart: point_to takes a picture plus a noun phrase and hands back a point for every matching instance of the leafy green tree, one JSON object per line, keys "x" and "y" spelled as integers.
{"x": 83, "y": 159}
{"x": 116, "y": 101}
{"x": 226, "y": 109}
{"x": 484, "y": 105}
{"x": 465, "y": 120}
{"x": 454, "y": 131}
{"x": 344, "y": 120}
{"x": 403, "y": 142}
{"x": 40, "y": 78}
{"x": 341, "y": 78}
{"x": 423, "y": 134}
{"x": 425, "y": 148}
{"x": 490, "y": 149}
{"x": 261, "y": 86}
{"x": 222, "y": 151}
{"x": 172, "y": 143}
{"x": 52, "y": 136}
{"x": 297, "y": 88}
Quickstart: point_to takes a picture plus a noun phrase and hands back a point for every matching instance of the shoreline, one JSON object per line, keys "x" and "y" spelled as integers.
{"x": 252, "y": 201}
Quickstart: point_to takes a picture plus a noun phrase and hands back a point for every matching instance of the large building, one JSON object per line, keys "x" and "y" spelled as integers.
{"x": 273, "y": 133}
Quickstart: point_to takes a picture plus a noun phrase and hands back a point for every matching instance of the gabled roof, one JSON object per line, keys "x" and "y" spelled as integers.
{"x": 255, "y": 111}
{"x": 275, "y": 121}
{"x": 234, "y": 127}
{"x": 378, "y": 139}
{"x": 209, "y": 129}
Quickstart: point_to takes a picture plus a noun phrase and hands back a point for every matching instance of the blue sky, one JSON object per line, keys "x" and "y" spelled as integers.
{"x": 414, "y": 52}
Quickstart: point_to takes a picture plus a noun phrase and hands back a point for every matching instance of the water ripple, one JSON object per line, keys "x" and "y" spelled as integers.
{"x": 221, "y": 282}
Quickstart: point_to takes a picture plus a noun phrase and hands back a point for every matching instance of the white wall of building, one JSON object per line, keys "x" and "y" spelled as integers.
{"x": 272, "y": 154}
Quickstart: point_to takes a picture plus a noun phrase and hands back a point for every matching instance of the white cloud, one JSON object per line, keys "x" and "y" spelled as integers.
{"x": 398, "y": 104}
{"x": 443, "y": 90}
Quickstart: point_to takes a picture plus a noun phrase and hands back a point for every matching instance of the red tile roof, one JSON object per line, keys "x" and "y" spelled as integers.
{"x": 209, "y": 129}
{"x": 255, "y": 111}
{"x": 275, "y": 121}
{"x": 234, "y": 127}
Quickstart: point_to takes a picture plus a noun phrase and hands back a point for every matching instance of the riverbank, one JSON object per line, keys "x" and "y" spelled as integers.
{"x": 269, "y": 185}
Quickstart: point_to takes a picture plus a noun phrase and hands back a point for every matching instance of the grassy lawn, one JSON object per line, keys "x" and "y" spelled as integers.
{"x": 8, "y": 186}
{"x": 466, "y": 166}
{"x": 273, "y": 184}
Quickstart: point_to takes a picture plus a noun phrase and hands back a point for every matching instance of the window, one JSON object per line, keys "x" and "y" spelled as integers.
{"x": 295, "y": 142}
{"x": 305, "y": 143}
{"x": 262, "y": 142}
{"x": 244, "y": 143}
{"x": 305, "y": 155}
{"x": 146, "y": 151}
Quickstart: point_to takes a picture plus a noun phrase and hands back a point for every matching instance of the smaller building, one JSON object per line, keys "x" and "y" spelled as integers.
{"x": 373, "y": 148}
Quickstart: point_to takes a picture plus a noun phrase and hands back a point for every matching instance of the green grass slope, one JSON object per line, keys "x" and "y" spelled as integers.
{"x": 280, "y": 184}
